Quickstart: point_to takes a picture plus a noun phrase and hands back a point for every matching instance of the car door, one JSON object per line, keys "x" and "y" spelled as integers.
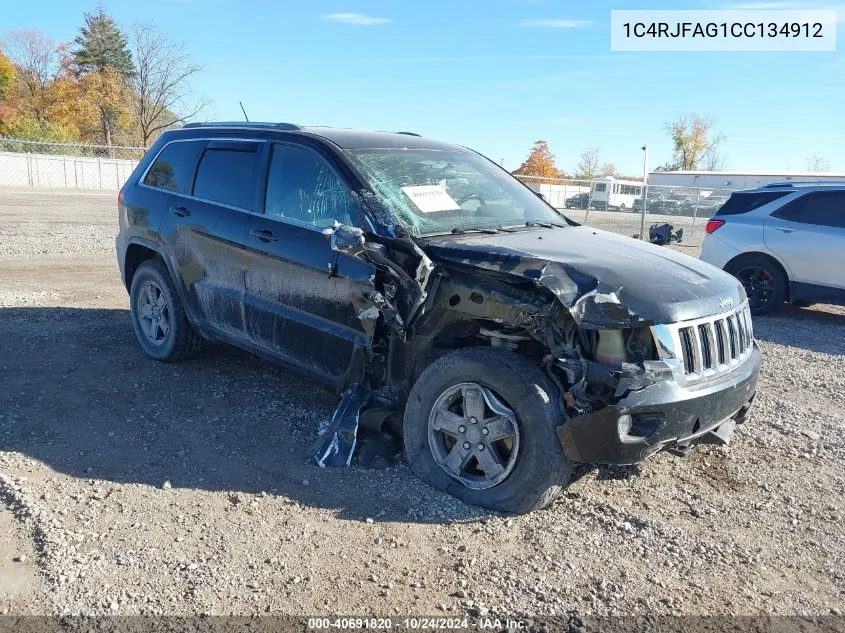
{"x": 808, "y": 234}
{"x": 304, "y": 297}
{"x": 207, "y": 233}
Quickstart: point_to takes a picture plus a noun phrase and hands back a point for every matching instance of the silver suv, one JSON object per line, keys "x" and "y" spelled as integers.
{"x": 784, "y": 242}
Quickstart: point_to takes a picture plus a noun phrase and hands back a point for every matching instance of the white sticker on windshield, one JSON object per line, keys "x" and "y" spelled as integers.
{"x": 431, "y": 198}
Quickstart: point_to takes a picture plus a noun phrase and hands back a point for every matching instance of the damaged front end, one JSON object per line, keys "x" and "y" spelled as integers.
{"x": 628, "y": 385}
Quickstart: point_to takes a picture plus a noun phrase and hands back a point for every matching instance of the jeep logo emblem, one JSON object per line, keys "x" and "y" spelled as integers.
{"x": 726, "y": 302}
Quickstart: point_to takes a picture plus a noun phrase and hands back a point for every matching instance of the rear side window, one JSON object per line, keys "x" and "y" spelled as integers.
{"x": 228, "y": 173}
{"x": 174, "y": 167}
{"x": 823, "y": 208}
{"x": 742, "y": 202}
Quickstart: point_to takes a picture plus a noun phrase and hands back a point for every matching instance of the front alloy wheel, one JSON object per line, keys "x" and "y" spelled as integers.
{"x": 473, "y": 436}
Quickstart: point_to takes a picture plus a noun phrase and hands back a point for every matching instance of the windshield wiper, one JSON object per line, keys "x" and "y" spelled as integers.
{"x": 545, "y": 225}
{"x": 459, "y": 231}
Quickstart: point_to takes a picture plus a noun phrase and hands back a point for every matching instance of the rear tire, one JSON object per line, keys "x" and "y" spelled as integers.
{"x": 160, "y": 322}
{"x": 534, "y": 467}
{"x": 764, "y": 283}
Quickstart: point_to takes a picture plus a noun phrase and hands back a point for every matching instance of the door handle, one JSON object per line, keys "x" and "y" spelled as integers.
{"x": 180, "y": 211}
{"x": 264, "y": 235}
{"x": 784, "y": 229}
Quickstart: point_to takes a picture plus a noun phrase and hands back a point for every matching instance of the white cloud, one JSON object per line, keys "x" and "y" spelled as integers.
{"x": 555, "y": 24}
{"x": 356, "y": 18}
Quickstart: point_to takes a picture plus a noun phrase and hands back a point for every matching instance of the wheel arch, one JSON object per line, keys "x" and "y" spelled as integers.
{"x": 139, "y": 250}
{"x": 768, "y": 257}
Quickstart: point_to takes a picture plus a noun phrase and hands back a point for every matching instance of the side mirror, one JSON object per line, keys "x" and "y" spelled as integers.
{"x": 344, "y": 238}
{"x": 541, "y": 196}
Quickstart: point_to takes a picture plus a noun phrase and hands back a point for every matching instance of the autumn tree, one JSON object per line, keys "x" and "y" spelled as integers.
{"x": 694, "y": 143}
{"x": 7, "y": 76}
{"x": 540, "y": 162}
{"x": 818, "y": 164}
{"x": 161, "y": 82}
{"x": 36, "y": 58}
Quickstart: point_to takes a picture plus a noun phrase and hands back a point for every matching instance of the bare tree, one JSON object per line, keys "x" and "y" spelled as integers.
{"x": 817, "y": 164}
{"x": 162, "y": 82}
{"x": 714, "y": 158}
{"x": 608, "y": 169}
{"x": 694, "y": 143}
{"x": 38, "y": 60}
{"x": 588, "y": 165}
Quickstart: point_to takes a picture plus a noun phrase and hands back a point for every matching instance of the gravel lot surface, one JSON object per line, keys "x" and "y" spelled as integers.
{"x": 130, "y": 486}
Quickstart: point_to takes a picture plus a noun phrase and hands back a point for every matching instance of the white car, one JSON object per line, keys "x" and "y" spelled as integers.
{"x": 784, "y": 242}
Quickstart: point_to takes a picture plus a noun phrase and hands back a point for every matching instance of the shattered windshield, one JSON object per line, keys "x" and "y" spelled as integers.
{"x": 445, "y": 191}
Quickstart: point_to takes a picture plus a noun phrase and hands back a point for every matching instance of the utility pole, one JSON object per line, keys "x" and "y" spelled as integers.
{"x": 645, "y": 186}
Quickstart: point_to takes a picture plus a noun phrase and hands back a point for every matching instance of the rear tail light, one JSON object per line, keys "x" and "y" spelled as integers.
{"x": 120, "y": 197}
{"x": 712, "y": 225}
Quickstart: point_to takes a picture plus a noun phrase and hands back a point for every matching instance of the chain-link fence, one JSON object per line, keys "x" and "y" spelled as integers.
{"x": 621, "y": 206}
{"x": 628, "y": 208}
{"x": 65, "y": 165}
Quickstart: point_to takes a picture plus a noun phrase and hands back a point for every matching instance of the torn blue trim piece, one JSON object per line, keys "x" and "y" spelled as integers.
{"x": 337, "y": 442}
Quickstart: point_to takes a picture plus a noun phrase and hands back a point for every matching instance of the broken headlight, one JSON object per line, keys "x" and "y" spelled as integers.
{"x": 615, "y": 347}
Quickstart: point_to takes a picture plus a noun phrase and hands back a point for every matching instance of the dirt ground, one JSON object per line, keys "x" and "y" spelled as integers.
{"x": 134, "y": 487}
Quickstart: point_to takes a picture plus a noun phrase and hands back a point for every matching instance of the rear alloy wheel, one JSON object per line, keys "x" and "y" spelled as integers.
{"x": 158, "y": 317}
{"x": 764, "y": 284}
{"x": 481, "y": 424}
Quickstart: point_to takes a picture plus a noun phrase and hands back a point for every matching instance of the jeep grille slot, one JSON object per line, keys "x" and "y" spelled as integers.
{"x": 706, "y": 345}
{"x": 715, "y": 345}
{"x": 687, "y": 349}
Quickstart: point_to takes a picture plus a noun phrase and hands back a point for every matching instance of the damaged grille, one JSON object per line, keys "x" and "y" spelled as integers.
{"x": 714, "y": 345}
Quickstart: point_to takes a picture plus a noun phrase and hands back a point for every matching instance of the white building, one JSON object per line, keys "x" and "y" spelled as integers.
{"x": 735, "y": 180}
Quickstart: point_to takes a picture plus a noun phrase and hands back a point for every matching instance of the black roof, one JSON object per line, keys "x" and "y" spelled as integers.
{"x": 342, "y": 137}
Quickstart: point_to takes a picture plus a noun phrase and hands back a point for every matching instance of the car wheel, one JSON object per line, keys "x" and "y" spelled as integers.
{"x": 480, "y": 424}
{"x": 159, "y": 319}
{"x": 764, "y": 283}
{"x": 622, "y": 207}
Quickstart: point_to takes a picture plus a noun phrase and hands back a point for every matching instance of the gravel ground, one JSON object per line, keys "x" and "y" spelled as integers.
{"x": 130, "y": 486}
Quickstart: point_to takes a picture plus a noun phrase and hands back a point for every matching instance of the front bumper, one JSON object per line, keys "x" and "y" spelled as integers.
{"x": 663, "y": 415}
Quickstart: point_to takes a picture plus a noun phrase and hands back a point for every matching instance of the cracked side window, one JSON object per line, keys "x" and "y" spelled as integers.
{"x": 302, "y": 186}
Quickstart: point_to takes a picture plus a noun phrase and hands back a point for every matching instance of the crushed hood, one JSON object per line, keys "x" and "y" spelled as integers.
{"x": 605, "y": 280}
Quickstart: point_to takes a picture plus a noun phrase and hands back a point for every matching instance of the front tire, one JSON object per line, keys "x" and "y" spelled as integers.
{"x": 160, "y": 322}
{"x": 764, "y": 283}
{"x": 480, "y": 424}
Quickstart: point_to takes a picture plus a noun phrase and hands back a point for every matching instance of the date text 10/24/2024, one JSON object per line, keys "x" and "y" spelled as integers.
{"x": 421, "y": 623}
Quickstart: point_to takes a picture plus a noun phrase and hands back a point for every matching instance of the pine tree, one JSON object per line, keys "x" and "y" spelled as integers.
{"x": 102, "y": 45}
{"x": 103, "y": 52}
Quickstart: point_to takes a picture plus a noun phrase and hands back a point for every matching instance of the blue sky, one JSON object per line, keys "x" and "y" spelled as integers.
{"x": 495, "y": 75}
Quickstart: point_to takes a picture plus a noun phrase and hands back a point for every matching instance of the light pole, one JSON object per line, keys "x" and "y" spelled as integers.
{"x": 645, "y": 178}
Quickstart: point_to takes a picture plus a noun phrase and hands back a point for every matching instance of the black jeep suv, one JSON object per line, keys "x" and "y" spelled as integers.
{"x": 437, "y": 293}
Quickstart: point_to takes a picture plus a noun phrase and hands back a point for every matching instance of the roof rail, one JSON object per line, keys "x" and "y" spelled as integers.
{"x": 410, "y": 134}
{"x": 805, "y": 183}
{"x": 276, "y": 126}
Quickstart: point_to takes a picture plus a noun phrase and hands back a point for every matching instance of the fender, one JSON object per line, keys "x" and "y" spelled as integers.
{"x": 171, "y": 269}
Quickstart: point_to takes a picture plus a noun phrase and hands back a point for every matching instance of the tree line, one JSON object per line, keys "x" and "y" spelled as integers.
{"x": 696, "y": 145}
{"x": 107, "y": 87}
